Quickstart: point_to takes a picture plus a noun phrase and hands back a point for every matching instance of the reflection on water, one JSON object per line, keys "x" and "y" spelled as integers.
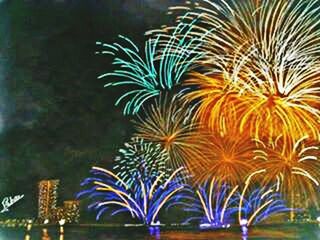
{"x": 45, "y": 234}
{"x": 226, "y": 235}
{"x": 155, "y": 232}
{"x": 283, "y": 232}
{"x": 27, "y": 236}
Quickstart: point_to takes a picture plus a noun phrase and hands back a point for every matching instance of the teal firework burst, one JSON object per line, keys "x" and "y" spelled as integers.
{"x": 140, "y": 159}
{"x": 165, "y": 60}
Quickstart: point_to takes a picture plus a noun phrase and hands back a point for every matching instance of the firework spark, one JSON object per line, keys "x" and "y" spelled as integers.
{"x": 215, "y": 203}
{"x": 141, "y": 159}
{"x": 230, "y": 158}
{"x": 261, "y": 204}
{"x": 261, "y": 50}
{"x": 294, "y": 168}
{"x": 167, "y": 122}
{"x": 162, "y": 68}
{"x": 143, "y": 200}
{"x": 219, "y": 104}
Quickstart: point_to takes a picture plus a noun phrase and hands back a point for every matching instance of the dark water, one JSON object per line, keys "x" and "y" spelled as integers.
{"x": 283, "y": 232}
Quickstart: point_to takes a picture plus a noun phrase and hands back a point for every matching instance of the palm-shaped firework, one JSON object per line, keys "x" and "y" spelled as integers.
{"x": 295, "y": 169}
{"x": 260, "y": 204}
{"x": 216, "y": 204}
{"x": 267, "y": 55}
{"x": 166, "y": 60}
{"x": 143, "y": 200}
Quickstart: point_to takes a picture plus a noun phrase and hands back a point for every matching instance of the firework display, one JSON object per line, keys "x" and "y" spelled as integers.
{"x": 143, "y": 199}
{"x": 216, "y": 205}
{"x": 294, "y": 168}
{"x": 259, "y": 50}
{"x": 260, "y": 204}
{"x": 229, "y": 158}
{"x": 141, "y": 159}
{"x": 167, "y": 122}
{"x": 155, "y": 73}
{"x": 235, "y": 101}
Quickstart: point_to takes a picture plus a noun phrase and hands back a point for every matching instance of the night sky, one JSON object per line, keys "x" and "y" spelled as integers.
{"x": 56, "y": 119}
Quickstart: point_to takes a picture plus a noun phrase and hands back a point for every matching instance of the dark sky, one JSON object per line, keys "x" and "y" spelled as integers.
{"x": 56, "y": 119}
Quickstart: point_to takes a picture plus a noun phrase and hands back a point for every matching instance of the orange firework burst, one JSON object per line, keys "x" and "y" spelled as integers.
{"x": 219, "y": 103}
{"x": 168, "y": 122}
{"x": 295, "y": 168}
{"x": 258, "y": 53}
{"x": 271, "y": 116}
{"x": 230, "y": 158}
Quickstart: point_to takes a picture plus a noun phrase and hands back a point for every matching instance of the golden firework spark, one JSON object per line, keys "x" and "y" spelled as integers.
{"x": 219, "y": 103}
{"x": 230, "y": 158}
{"x": 167, "y": 122}
{"x": 263, "y": 53}
{"x": 294, "y": 168}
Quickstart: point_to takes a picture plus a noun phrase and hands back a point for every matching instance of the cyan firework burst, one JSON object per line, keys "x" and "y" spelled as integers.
{"x": 140, "y": 159}
{"x": 161, "y": 67}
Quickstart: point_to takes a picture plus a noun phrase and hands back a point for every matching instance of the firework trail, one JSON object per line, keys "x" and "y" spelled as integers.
{"x": 167, "y": 122}
{"x": 215, "y": 203}
{"x": 143, "y": 200}
{"x": 166, "y": 60}
{"x": 141, "y": 159}
{"x": 228, "y": 157}
{"x": 267, "y": 52}
{"x": 294, "y": 169}
{"x": 261, "y": 204}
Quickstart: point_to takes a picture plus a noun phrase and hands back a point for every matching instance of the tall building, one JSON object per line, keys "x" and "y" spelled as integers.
{"x": 48, "y": 196}
{"x": 57, "y": 215}
{"x": 300, "y": 208}
{"x": 71, "y": 211}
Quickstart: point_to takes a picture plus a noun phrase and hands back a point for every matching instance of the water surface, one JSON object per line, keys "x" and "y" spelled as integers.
{"x": 283, "y": 232}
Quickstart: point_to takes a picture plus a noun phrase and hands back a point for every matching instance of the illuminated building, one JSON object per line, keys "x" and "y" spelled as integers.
{"x": 48, "y": 196}
{"x": 71, "y": 211}
{"x": 302, "y": 207}
{"x": 48, "y": 209}
{"x": 57, "y": 214}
